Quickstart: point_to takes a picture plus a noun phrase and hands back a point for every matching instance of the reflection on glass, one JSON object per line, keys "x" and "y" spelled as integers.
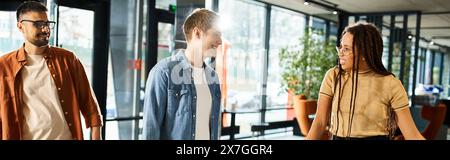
{"x": 10, "y": 37}
{"x": 244, "y": 57}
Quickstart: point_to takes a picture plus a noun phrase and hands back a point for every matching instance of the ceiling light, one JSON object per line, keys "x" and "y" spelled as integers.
{"x": 431, "y": 43}
{"x": 335, "y": 12}
{"x": 306, "y": 3}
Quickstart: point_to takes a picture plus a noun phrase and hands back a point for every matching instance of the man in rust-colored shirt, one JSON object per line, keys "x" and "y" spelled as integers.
{"x": 43, "y": 89}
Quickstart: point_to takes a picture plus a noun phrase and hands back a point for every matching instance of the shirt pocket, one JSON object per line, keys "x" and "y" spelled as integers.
{"x": 179, "y": 102}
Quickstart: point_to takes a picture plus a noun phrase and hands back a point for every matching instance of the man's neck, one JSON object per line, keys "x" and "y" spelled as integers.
{"x": 34, "y": 50}
{"x": 194, "y": 57}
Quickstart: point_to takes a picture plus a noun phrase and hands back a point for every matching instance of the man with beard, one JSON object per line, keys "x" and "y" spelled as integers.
{"x": 182, "y": 95}
{"x": 44, "y": 88}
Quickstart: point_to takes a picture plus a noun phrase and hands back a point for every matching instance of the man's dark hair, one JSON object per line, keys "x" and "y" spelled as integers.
{"x": 28, "y": 7}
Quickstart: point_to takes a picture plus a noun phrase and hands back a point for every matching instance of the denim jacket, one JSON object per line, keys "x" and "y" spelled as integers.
{"x": 170, "y": 100}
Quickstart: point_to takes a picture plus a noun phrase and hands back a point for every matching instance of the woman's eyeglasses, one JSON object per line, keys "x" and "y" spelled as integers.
{"x": 345, "y": 51}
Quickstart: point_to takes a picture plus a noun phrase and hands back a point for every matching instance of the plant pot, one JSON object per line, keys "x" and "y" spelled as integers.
{"x": 303, "y": 108}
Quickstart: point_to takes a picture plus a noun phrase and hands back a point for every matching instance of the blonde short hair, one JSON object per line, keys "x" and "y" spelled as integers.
{"x": 201, "y": 18}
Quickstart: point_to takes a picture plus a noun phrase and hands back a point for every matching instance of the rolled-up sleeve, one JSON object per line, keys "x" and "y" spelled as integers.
{"x": 155, "y": 104}
{"x": 88, "y": 102}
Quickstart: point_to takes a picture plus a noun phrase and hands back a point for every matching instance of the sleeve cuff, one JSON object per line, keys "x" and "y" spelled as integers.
{"x": 402, "y": 107}
{"x": 323, "y": 93}
{"x": 94, "y": 121}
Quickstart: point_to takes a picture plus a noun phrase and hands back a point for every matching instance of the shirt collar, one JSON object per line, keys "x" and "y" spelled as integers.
{"x": 181, "y": 56}
{"x": 22, "y": 55}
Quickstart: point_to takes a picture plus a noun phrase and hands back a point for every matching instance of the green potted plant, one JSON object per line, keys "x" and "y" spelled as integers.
{"x": 303, "y": 68}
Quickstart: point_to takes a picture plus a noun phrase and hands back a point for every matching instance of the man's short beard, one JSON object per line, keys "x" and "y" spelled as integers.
{"x": 39, "y": 43}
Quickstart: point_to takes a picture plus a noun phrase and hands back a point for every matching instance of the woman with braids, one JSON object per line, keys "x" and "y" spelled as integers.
{"x": 359, "y": 98}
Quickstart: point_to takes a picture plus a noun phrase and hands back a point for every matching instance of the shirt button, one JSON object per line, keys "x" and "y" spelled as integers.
{"x": 195, "y": 97}
{"x": 66, "y": 113}
{"x": 49, "y": 66}
{"x": 70, "y": 124}
{"x": 59, "y": 89}
{"x": 54, "y": 75}
{"x": 194, "y": 116}
{"x": 62, "y": 101}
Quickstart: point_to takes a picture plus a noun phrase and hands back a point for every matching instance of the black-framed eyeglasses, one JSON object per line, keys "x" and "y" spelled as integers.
{"x": 41, "y": 24}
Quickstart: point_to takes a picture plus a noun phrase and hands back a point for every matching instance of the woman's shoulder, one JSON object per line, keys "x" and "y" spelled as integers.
{"x": 331, "y": 74}
{"x": 390, "y": 80}
{"x": 333, "y": 71}
{"x": 385, "y": 77}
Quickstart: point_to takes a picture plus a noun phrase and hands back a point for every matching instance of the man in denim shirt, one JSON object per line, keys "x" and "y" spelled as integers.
{"x": 182, "y": 96}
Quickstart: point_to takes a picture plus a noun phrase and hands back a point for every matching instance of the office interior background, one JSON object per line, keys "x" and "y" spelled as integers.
{"x": 118, "y": 42}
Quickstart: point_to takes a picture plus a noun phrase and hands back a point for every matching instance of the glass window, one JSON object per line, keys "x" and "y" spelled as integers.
{"x": 428, "y": 66}
{"x": 112, "y": 132}
{"x": 286, "y": 29}
{"x": 10, "y": 37}
{"x": 165, "y": 39}
{"x": 385, "y": 35}
{"x": 318, "y": 24}
{"x": 351, "y": 20}
{"x": 423, "y": 65}
{"x": 319, "y": 27}
{"x": 333, "y": 32}
{"x": 76, "y": 33}
{"x": 437, "y": 68}
{"x": 409, "y": 67}
{"x": 124, "y": 99}
{"x": 164, "y": 4}
{"x": 244, "y": 29}
{"x": 419, "y": 66}
{"x": 398, "y": 37}
{"x": 446, "y": 76}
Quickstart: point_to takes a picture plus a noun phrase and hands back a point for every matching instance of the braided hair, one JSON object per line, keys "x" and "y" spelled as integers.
{"x": 368, "y": 44}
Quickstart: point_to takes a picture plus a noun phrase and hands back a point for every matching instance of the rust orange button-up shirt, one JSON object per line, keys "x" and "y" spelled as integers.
{"x": 74, "y": 92}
